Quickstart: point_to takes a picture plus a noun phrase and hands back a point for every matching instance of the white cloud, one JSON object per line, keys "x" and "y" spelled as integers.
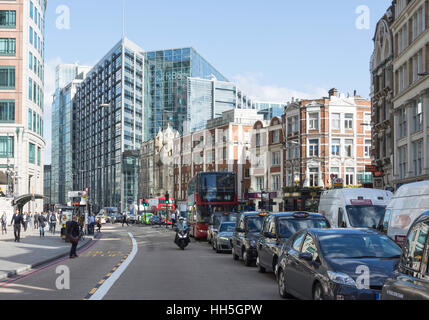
{"x": 49, "y": 92}
{"x": 251, "y": 84}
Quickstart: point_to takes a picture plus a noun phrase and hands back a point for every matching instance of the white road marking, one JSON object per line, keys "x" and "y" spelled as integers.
{"x": 105, "y": 287}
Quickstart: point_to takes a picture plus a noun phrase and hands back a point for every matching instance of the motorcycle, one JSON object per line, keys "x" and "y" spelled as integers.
{"x": 182, "y": 239}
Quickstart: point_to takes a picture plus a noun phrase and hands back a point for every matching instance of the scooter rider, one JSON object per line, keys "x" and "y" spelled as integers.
{"x": 181, "y": 226}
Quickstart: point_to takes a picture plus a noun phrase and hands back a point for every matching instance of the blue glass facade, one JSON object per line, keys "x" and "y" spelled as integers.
{"x": 166, "y": 99}
{"x": 270, "y": 110}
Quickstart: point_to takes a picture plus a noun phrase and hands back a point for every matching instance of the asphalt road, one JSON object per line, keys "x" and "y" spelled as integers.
{"x": 158, "y": 271}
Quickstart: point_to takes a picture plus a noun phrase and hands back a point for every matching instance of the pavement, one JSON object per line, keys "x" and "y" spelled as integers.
{"x": 32, "y": 251}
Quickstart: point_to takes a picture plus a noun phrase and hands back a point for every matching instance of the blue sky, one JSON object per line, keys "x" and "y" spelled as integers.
{"x": 273, "y": 49}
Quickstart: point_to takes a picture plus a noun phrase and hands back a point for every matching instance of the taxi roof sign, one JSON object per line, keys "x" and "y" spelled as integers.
{"x": 263, "y": 213}
{"x": 301, "y": 214}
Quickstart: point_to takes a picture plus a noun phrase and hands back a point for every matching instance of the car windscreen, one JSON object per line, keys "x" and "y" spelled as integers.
{"x": 365, "y": 216}
{"x": 227, "y": 227}
{"x": 287, "y": 227}
{"x": 343, "y": 246}
{"x": 254, "y": 224}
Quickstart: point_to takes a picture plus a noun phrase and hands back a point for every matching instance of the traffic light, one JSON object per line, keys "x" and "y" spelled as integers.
{"x": 167, "y": 198}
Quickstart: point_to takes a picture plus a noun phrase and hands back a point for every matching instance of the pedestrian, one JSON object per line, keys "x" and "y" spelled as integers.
{"x": 17, "y": 220}
{"x": 99, "y": 224}
{"x": 48, "y": 219}
{"x": 36, "y": 220}
{"x": 27, "y": 221}
{"x": 4, "y": 223}
{"x": 53, "y": 221}
{"x": 124, "y": 219}
{"x": 173, "y": 220}
{"x": 91, "y": 224}
{"x": 73, "y": 232}
{"x": 42, "y": 224}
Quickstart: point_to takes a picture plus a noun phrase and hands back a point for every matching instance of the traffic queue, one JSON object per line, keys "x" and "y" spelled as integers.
{"x": 364, "y": 244}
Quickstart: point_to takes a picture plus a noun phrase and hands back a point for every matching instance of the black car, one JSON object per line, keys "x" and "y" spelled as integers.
{"x": 246, "y": 234}
{"x": 411, "y": 280}
{"x": 336, "y": 264}
{"x": 277, "y": 229}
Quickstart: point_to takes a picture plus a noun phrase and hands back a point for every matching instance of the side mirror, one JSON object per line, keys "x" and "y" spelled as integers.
{"x": 343, "y": 224}
{"x": 239, "y": 230}
{"x": 306, "y": 256}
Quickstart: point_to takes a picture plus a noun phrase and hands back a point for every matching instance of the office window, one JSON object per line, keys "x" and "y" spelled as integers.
{"x": 7, "y": 111}
{"x": 403, "y": 156}
{"x": 276, "y": 183}
{"x": 275, "y": 158}
{"x": 7, "y": 19}
{"x": 313, "y": 148}
{"x": 30, "y": 61}
{"x": 336, "y": 121}
{"x": 418, "y": 115}
{"x": 348, "y": 121}
{"x": 30, "y": 119}
{"x": 417, "y": 157}
{"x": 313, "y": 121}
{"x": 7, "y": 77}
{"x": 31, "y": 35}
{"x": 348, "y": 148}
{"x": 31, "y": 10}
{"x": 39, "y": 156}
{"x": 403, "y": 123}
{"x": 335, "y": 148}
{"x": 32, "y": 153}
{"x": 368, "y": 144}
{"x": 350, "y": 174}
{"x": 6, "y": 147}
{"x": 7, "y": 47}
{"x": 314, "y": 177}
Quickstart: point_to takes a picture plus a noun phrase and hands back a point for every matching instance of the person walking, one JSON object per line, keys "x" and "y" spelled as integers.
{"x": 4, "y": 223}
{"x": 73, "y": 232}
{"x": 17, "y": 220}
{"x": 124, "y": 219}
{"x": 91, "y": 224}
{"x": 53, "y": 221}
{"x": 36, "y": 220}
{"x": 48, "y": 219}
{"x": 99, "y": 224}
{"x": 42, "y": 224}
{"x": 173, "y": 220}
{"x": 27, "y": 221}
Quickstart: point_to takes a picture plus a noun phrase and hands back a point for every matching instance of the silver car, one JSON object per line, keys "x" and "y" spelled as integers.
{"x": 222, "y": 242}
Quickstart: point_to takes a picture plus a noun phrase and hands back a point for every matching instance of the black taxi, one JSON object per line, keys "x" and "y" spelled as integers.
{"x": 277, "y": 229}
{"x": 245, "y": 236}
{"x": 411, "y": 280}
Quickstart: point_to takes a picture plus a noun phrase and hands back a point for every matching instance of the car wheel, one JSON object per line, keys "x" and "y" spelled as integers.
{"x": 318, "y": 292}
{"x": 282, "y": 285}
{"x": 260, "y": 268}
{"x": 247, "y": 261}
{"x": 234, "y": 256}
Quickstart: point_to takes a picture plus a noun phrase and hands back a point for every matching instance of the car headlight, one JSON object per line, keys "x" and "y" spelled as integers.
{"x": 341, "y": 278}
{"x": 223, "y": 239}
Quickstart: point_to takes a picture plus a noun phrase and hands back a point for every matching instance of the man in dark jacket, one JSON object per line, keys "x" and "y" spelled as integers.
{"x": 73, "y": 231}
{"x": 17, "y": 220}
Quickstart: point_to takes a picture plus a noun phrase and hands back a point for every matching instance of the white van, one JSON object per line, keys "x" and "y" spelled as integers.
{"x": 409, "y": 202}
{"x": 355, "y": 207}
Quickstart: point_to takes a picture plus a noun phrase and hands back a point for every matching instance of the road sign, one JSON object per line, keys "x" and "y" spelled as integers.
{"x": 338, "y": 182}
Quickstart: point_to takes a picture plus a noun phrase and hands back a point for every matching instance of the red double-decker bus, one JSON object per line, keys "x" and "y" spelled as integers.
{"x": 207, "y": 193}
{"x": 160, "y": 205}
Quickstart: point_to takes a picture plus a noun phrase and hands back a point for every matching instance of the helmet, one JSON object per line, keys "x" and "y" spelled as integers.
{"x": 181, "y": 219}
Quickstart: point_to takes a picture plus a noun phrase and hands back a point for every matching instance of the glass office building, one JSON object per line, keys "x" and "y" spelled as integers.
{"x": 208, "y": 99}
{"x": 108, "y": 125}
{"x": 270, "y": 109}
{"x": 67, "y": 79}
{"x": 167, "y": 87}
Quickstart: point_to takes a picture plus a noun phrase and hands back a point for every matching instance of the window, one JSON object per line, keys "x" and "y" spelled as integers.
{"x": 350, "y": 174}
{"x": 32, "y": 153}
{"x": 335, "y": 172}
{"x": 367, "y": 121}
{"x": 31, "y": 10}
{"x": 297, "y": 243}
{"x": 414, "y": 246}
{"x": 313, "y": 148}
{"x": 30, "y": 89}
{"x": 368, "y": 144}
{"x": 289, "y": 126}
{"x": 418, "y": 115}
{"x": 31, "y": 35}
{"x": 30, "y": 119}
{"x": 7, "y": 111}
{"x": 30, "y": 61}
{"x": 314, "y": 177}
{"x": 7, "y": 19}
{"x": 6, "y": 147}
{"x": 403, "y": 156}
{"x": 336, "y": 121}
{"x": 310, "y": 247}
{"x": 348, "y": 148}
{"x": 260, "y": 184}
{"x": 348, "y": 121}
{"x": 417, "y": 157}
{"x": 7, "y": 77}
{"x": 335, "y": 148}
{"x": 7, "y": 46}
{"x": 276, "y": 136}
{"x": 313, "y": 122}
{"x": 403, "y": 123}
{"x": 275, "y": 158}
{"x": 39, "y": 156}
{"x": 276, "y": 183}
{"x": 258, "y": 139}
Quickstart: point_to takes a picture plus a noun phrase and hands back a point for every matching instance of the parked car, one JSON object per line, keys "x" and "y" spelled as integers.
{"x": 223, "y": 239}
{"x": 354, "y": 208}
{"x": 277, "y": 229}
{"x": 156, "y": 221}
{"x": 246, "y": 234}
{"x": 410, "y": 281}
{"x": 336, "y": 264}
{"x": 408, "y": 203}
{"x": 215, "y": 220}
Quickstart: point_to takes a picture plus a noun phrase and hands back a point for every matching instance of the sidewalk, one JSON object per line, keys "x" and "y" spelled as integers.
{"x": 19, "y": 257}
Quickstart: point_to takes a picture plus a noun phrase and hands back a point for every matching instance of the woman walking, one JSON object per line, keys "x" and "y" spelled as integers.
{"x": 42, "y": 225}
{"x": 3, "y": 223}
{"x": 99, "y": 224}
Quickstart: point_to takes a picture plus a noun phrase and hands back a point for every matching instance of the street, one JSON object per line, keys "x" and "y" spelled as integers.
{"x": 159, "y": 271}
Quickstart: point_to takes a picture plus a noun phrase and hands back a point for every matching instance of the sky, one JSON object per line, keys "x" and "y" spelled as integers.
{"x": 273, "y": 49}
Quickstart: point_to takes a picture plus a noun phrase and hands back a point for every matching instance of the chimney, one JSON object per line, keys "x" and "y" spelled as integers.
{"x": 333, "y": 92}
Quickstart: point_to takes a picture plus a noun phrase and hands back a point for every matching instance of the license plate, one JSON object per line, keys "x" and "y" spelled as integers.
{"x": 378, "y": 296}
